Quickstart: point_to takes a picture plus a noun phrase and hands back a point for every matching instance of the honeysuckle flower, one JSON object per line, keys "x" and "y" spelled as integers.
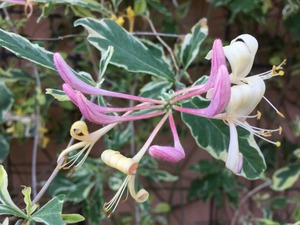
{"x": 79, "y": 131}
{"x": 70, "y": 78}
{"x": 169, "y": 153}
{"x": 128, "y": 166}
{"x": 28, "y": 8}
{"x": 96, "y": 113}
{"x": 218, "y": 83}
{"x": 244, "y": 99}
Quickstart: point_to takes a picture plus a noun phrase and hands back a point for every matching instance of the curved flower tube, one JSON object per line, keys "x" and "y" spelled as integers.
{"x": 169, "y": 153}
{"x": 72, "y": 94}
{"x": 79, "y": 131}
{"x": 70, "y": 78}
{"x": 128, "y": 166}
{"x": 89, "y": 112}
{"x": 217, "y": 60}
{"x": 220, "y": 96}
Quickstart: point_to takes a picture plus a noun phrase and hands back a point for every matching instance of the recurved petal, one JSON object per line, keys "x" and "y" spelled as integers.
{"x": 240, "y": 54}
{"x": 167, "y": 153}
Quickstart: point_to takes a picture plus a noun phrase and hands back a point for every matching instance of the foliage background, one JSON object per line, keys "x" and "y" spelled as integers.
{"x": 203, "y": 191}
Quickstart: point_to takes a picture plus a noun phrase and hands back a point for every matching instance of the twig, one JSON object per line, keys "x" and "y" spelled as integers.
{"x": 157, "y": 34}
{"x": 163, "y": 43}
{"x": 247, "y": 196}
{"x": 59, "y": 38}
{"x": 12, "y": 25}
{"x": 36, "y": 133}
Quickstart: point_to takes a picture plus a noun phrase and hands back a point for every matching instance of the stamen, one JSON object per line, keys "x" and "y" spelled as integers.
{"x": 113, "y": 203}
{"x": 261, "y": 133}
{"x": 277, "y": 111}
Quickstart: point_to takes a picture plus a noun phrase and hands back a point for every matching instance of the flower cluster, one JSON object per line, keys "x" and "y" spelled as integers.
{"x": 233, "y": 96}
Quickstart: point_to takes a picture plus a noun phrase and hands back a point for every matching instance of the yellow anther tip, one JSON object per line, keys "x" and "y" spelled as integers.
{"x": 258, "y": 115}
{"x": 278, "y": 144}
{"x": 281, "y": 73}
{"x": 280, "y": 114}
{"x": 280, "y": 130}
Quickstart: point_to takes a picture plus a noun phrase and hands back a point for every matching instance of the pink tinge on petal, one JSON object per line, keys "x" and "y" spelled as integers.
{"x": 166, "y": 153}
{"x": 220, "y": 96}
{"x": 71, "y": 93}
{"x": 217, "y": 60}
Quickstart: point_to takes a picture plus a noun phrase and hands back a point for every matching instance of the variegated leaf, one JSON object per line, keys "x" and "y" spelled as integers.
{"x": 286, "y": 177}
{"x": 129, "y": 52}
{"x": 213, "y": 136}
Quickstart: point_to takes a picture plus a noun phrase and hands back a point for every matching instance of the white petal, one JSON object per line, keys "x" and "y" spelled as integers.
{"x": 234, "y": 157}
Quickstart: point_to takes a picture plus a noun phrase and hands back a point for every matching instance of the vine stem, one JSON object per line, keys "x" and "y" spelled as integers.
{"x": 163, "y": 43}
{"x": 36, "y": 133}
{"x": 246, "y": 197}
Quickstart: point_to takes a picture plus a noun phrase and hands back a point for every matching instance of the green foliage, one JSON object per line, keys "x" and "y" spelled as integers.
{"x": 129, "y": 53}
{"x": 215, "y": 181}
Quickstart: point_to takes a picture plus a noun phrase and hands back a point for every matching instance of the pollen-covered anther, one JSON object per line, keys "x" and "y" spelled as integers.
{"x": 278, "y": 144}
{"x": 116, "y": 160}
{"x": 258, "y": 115}
{"x": 280, "y": 130}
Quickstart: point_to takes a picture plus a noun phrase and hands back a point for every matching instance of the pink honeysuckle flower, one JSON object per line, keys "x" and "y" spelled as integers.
{"x": 89, "y": 111}
{"x": 220, "y": 96}
{"x": 169, "y": 153}
{"x": 218, "y": 84}
{"x": 217, "y": 60}
{"x": 70, "y": 78}
{"x": 72, "y": 94}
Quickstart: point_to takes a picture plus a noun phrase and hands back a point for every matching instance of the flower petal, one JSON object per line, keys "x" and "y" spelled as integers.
{"x": 240, "y": 54}
{"x": 141, "y": 196}
{"x": 167, "y": 153}
{"x": 234, "y": 159}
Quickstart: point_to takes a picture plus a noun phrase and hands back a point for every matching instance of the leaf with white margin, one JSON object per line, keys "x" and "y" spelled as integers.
{"x": 213, "y": 136}
{"x": 23, "y": 48}
{"x": 129, "y": 52}
{"x": 155, "y": 88}
{"x": 104, "y": 61}
{"x": 89, "y": 4}
{"x": 6, "y": 100}
{"x": 190, "y": 47}
{"x": 286, "y": 177}
{"x": 7, "y": 207}
{"x": 57, "y": 94}
{"x": 50, "y": 213}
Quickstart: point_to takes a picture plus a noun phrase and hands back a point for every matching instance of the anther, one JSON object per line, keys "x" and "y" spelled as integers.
{"x": 278, "y": 144}
{"x": 258, "y": 115}
{"x": 280, "y": 130}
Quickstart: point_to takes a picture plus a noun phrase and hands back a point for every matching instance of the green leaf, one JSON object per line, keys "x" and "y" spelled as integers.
{"x": 266, "y": 222}
{"x": 286, "y": 177}
{"x": 162, "y": 207}
{"x": 21, "y": 47}
{"x": 129, "y": 52}
{"x": 213, "y": 136}
{"x": 6, "y": 100}
{"x": 140, "y": 6}
{"x": 190, "y": 47}
{"x": 27, "y": 199}
{"x": 57, "y": 94}
{"x": 4, "y": 148}
{"x": 8, "y": 206}
{"x": 50, "y": 213}
{"x": 155, "y": 88}
{"x": 72, "y": 218}
{"x": 92, "y": 5}
{"x": 105, "y": 59}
